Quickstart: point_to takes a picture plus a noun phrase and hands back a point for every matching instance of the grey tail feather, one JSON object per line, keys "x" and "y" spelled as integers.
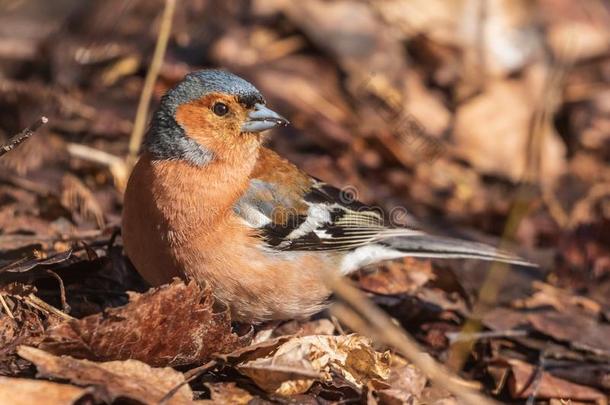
{"x": 432, "y": 246}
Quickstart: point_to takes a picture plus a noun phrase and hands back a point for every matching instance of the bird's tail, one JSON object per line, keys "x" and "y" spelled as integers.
{"x": 433, "y": 246}
{"x": 408, "y": 243}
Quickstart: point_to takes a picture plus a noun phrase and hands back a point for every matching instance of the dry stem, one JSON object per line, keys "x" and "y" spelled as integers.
{"x": 396, "y": 337}
{"x": 139, "y": 125}
{"x": 22, "y": 136}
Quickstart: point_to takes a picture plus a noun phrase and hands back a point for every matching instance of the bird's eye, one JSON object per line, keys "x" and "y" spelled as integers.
{"x": 220, "y": 109}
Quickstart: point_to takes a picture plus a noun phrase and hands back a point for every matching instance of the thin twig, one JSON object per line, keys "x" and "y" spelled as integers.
{"x": 188, "y": 377}
{"x": 115, "y": 164}
{"x": 139, "y": 125}
{"x": 44, "y": 307}
{"x": 62, "y": 291}
{"x": 7, "y": 240}
{"x": 394, "y": 336}
{"x": 536, "y": 379}
{"x": 5, "y": 306}
{"x": 526, "y": 193}
{"x": 461, "y": 336}
{"x": 22, "y": 136}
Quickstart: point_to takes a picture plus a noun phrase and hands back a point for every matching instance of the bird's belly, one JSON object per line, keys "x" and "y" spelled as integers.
{"x": 257, "y": 285}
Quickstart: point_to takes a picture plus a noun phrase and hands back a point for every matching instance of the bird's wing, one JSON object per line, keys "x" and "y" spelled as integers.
{"x": 293, "y": 211}
{"x": 290, "y": 210}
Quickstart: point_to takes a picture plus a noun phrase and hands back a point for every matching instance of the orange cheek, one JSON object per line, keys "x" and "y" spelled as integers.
{"x": 220, "y": 135}
{"x": 192, "y": 118}
{"x": 200, "y": 123}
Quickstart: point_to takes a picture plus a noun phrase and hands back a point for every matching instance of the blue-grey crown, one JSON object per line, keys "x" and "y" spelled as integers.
{"x": 197, "y": 84}
{"x": 166, "y": 139}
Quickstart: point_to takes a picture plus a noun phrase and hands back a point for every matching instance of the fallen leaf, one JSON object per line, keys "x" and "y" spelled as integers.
{"x": 397, "y": 277}
{"x": 575, "y": 327}
{"x": 21, "y": 325}
{"x": 77, "y": 198}
{"x": 316, "y": 327}
{"x": 129, "y": 379}
{"x": 436, "y": 395}
{"x": 228, "y": 393}
{"x": 579, "y": 330}
{"x": 22, "y": 266}
{"x": 406, "y": 382}
{"x": 352, "y": 32}
{"x": 515, "y": 38}
{"x": 523, "y": 383}
{"x": 496, "y": 143}
{"x": 254, "y": 351}
{"x": 296, "y": 364}
{"x": 589, "y": 373}
{"x": 503, "y": 319}
{"x": 172, "y": 325}
{"x": 562, "y": 300}
{"x": 20, "y": 391}
{"x": 575, "y": 31}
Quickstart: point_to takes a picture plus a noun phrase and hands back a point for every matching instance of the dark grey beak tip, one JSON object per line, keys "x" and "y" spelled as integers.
{"x": 283, "y": 122}
{"x": 261, "y": 118}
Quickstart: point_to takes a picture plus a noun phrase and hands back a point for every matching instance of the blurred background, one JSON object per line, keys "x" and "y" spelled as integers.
{"x": 484, "y": 119}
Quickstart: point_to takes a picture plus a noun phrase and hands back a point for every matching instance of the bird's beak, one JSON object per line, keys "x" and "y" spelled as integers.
{"x": 262, "y": 118}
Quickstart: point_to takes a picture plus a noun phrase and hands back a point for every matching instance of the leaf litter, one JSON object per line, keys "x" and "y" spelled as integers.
{"x": 411, "y": 103}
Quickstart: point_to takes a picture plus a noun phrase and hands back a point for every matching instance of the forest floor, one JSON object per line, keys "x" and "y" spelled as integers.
{"x": 487, "y": 120}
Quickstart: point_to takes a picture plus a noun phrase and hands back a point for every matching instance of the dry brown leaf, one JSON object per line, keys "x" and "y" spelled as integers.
{"x": 20, "y": 391}
{"x": 562, "y": 300}
{"x": 21, "y": 266}
{"x": 228, "y": 393}
{"x": 433, "y": 19}
{"x": 319, "y": 109}
{"x": 425, "y": 106}
{"x": 77, "y": 197}
{"x": 523, "y": 383}
{"x": 503, "y": 41}
{"x": 406, "y": 384}
{"x": 352, "y": 33}
{"x": 130, "y": 379}
{"x": 398, "y": 277}
{"x": 253, "y": 351}
{"x": 295, "y": 365}
{"x": 575, "y": 327}
{"x": 172, "y": 325}
{"x": 316, "y": 327}
{"x": 491, "y": 131}
{"x": 38, "y": 151}
{"x": 459, "y": 24}
{"x": 436, "y": 395}
{"x": 581, "y": 331}
{"x": 19, "y": 324}
{"x": 575, "y": 30}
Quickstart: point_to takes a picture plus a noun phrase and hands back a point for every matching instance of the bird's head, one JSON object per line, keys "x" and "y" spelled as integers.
{"x": 210, "y": 114}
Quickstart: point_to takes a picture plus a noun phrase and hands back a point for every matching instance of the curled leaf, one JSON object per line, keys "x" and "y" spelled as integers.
{"x": 297, "y": 363}
{"x": 175, "y": 324}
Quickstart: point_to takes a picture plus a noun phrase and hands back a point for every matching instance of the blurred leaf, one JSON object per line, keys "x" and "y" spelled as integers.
{"x": 523, "y": 383}
{"x": 397, "y": 277}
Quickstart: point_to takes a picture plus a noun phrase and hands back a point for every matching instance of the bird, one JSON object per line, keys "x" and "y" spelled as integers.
{"x": 208, "y": 201}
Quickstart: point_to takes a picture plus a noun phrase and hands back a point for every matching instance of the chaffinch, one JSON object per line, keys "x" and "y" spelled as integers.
{"x": 206, "y": 201}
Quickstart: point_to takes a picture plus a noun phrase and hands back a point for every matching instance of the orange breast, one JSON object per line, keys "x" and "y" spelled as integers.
{"x": 178, "y": 221}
